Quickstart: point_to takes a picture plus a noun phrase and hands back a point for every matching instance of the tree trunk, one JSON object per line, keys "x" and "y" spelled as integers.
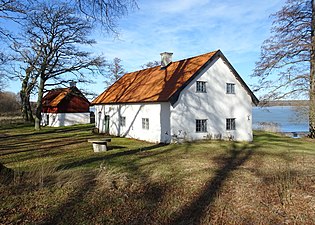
{"x": 23, "y": 105}
{"x": 25, "y": 92}
{"x": 38, "y": 113}
{"x": 23, "y": 96}
{"x": 26, "y": 106}
{"x": 312, "y": 76}
{"x": 29, "y": 109}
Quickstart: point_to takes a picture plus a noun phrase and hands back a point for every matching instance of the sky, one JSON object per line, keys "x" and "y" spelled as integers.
{"x": 187, "y": 28}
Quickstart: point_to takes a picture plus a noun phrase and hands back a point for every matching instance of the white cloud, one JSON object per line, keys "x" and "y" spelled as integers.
{"x": 178, "y": 6}
{"x": 190, "y": 27}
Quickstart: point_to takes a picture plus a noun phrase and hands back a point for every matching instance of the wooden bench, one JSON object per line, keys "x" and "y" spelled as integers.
{"x": 100, "y": 145}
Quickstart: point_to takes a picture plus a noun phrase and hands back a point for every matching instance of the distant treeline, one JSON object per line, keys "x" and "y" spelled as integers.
{"x": 9, "y": 103}
{"x": 284, "y": 103}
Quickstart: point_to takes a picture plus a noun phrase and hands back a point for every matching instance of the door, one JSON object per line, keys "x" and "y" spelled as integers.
{"x": 47, "y": 120}
{"x": 106, "y": 124}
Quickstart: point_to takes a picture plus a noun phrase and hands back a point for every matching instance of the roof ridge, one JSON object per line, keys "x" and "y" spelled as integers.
{"x": 200, "y": 55}
{"x": 174, "y": 61}
{"x": 58, "y": 94}
{"x": 159, "y": 86}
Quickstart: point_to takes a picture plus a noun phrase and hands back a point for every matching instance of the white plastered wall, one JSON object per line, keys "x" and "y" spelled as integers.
{"x": 157, "y": 113}
{"x": 64, "y": 119}
{"x": 215, "y": 106}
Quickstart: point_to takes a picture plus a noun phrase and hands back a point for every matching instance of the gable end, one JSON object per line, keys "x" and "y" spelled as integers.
{"x": 239, "y": 78}
{"x": 174, "y": 98}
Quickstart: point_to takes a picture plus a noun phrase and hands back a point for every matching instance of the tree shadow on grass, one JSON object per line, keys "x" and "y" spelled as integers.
{"x": 276, "y": 139}
{"x": 148, "y": 192}
{"x": 50, "y": 130}
{"x": 193, "y": 213}
{"x": 102, "y": 157}
{"x": 65, "y": 213}
{"x": 39, "y": 145}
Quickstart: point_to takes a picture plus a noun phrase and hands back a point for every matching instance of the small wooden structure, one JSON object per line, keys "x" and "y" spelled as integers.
{"x": 100, "y": 145}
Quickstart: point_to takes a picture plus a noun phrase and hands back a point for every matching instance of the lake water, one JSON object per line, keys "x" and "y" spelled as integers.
{"x": 286, "y": 118}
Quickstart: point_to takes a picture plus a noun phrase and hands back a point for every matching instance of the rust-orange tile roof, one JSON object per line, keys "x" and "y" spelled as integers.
{"x": 153, "y": 84}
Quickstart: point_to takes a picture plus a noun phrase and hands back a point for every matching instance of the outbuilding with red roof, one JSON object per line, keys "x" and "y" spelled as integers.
{"x": 64, "y": 107}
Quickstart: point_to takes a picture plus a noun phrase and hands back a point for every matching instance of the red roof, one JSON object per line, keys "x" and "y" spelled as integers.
{"x": 65, "y": 100}
{"x": 156, "y": 84}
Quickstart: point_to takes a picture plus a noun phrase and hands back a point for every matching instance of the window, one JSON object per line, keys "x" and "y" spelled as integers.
{"x": 122, "y": 121}
{"x": 201, "y": 86}
{"x": 145, "y": 123}
{"x": 201, "y": 125}
{"x": 230, "y": 124}
{"x": 230, "y": 88}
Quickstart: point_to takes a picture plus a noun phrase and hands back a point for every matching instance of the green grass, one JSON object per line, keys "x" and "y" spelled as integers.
{"x": 58, "y": 179}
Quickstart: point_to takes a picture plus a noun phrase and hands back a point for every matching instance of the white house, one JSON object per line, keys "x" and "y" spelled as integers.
{"x": 202, "y": 97}
{"x": 65, "y": 107}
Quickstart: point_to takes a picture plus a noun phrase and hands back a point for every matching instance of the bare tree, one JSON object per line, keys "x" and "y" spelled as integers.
{"x": 27, "y": 56}
{"x": 106, "y": 11}
{"x": 150, "y": 64}
{"x": 286, "y": 65}
{"x": 50, "y": 49}
{"x": 9, "y": 9}
{"x": 114, "y": 72}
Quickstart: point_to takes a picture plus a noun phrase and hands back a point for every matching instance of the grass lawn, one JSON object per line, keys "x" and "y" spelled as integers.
{"x": 58, "y": 179}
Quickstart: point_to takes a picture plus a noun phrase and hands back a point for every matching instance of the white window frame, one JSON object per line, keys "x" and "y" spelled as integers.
{"x": 230, "y": 124}
{"x": 201, "y": 126}
{"x": 201, "y": 86}
{"x": 230, "y": 88}
{"x": 145, "y": 123}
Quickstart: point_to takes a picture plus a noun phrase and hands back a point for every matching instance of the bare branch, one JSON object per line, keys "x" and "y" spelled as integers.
{"x": 287, "y": 64}
{"x": 287, "y": 50}
{"x": 107, "y": 12}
